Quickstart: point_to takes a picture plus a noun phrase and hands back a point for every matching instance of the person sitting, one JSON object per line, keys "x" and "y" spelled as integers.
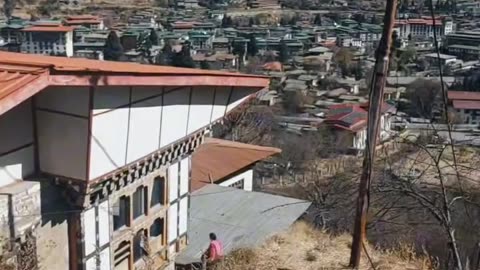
{"x": 215, "y": 250}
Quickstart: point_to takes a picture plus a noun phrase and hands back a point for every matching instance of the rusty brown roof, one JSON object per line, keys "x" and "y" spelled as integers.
{"x": 216, "y": 159}
{"x": 23, "y": 75}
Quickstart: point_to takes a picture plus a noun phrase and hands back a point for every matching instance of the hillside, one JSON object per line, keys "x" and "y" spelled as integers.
{"x": 308, "y": 249}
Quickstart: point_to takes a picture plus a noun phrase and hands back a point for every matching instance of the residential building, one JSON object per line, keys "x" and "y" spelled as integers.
{"x": 349, "y": 122}
{"x": 113, "y": 143}
{"x": 88, "y": 21}
{"x": 465, "y": 52}
{"x": 237, "y": 159}
{"x": 48, "y": 39}
{"x": 468, "y": 38}
{"x": 444, "y": 59}
{"x": 423, "y": 27}
{"x": 466, "y": 105}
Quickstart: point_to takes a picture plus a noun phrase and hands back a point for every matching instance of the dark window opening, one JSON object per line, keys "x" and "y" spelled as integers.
{"x": 157, "y": 228}
{"x": 158, "y": 191}
{"x": 239, "y": 184}
{"x": 140, "y": 202}
{"x": 121, "y": 213}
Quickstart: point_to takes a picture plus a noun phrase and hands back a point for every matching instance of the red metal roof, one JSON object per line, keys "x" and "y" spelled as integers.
{"x": 233, "y": 157}
{"x": 82, "y": 17}
{"x": 86, "y": 21}
{"x": 45, "y": 28}
{"x": 466, "y": 104}
{"x": 463, "y": 95}
{"x": 26, "y": 74}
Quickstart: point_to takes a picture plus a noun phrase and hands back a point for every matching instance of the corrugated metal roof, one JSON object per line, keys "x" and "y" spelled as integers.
{"x": 463, "y": 95}
{"x": 88, "y": 65}
{"x": 233, "y": 156}
{"x": 13, "y": 78}
{"x": 239, "y": 218}
{"x": 64, "y": 71}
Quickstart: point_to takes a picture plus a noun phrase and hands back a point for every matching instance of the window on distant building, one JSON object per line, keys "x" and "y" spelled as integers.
{"x": 239, "y": 184}
{"x": 156, "y": 230}
{"x": 139, "y": 245}
{"x": 158, "y": 191}
{"x": 121, "y": 213}
{"x": 140, "y": 202}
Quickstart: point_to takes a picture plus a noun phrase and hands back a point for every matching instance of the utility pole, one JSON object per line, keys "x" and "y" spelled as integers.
{"x": 374, "y": 114}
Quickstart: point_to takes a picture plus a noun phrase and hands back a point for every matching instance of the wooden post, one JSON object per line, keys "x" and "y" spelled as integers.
{"x": 374, "y": 114}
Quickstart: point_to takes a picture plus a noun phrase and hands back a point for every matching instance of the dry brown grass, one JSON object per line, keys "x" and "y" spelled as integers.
{"x": 303, "y": 247}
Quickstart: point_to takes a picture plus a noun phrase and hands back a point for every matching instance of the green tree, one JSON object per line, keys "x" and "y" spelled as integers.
{"x": 204, "y": 65}
{"x": 423, "y": 94}
{"x": 317, "y": 20}
{"x": 343, "y": 58}
{"x": 144, "y": 46}
{"x": 183, "y": 58}
{"x": 283, "y": 53}
{"x": 153, "y": 37}
{"x": 252, "y": 46}
{"x": 113, "y": 49}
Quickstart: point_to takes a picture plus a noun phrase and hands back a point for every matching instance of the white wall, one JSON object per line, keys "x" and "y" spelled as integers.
{"x": 247, "y": 177}
{"x": 16, "y": 144}
{"x": 175, "y": 116}
{"x": 130, "y": 123}
{"x": 173, "y": 182}
{"x": 184, "y": 176}
{"x": 62, "y": 127}
{"x": 183, "y": 216}
{"x": 172, "y": 222}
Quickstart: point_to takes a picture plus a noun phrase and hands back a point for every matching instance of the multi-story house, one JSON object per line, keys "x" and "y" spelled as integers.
{"x": 423, "y": 27}
{"x": 114, "y": 142}
{"x": 48, "y": 39}
{"x": 349, "y": 123}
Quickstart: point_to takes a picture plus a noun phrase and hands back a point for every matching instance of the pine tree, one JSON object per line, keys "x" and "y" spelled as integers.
{"x": 183, "y": 58}
{"x": 283, "y": 53}
{"x": 317, "y": 20}
{"x": 113, "y": 49}
{"x": 252, "y": 46}
{"x": 204, "y": 65}
{"x": 153, "y": 37}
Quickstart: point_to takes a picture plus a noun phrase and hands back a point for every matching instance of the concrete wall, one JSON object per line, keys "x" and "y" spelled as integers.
{"x": 247, "y": 178}
{"x": 16, "y": 144}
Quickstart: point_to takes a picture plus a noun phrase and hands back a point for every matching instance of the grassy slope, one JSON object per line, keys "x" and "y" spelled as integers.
{"x": 308, "y": 249}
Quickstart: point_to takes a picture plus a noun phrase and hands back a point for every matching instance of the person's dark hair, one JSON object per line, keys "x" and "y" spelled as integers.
{"x": 213, "y": 237}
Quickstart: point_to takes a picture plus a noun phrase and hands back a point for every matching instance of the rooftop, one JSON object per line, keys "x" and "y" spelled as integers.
{"x": 239, "y": 218}
{"x": 28, "y": 74}
{"x": 49, "y": 28}
{"x": 233, "y": 156}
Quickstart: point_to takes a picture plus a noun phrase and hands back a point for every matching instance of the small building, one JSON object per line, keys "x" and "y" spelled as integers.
{"x": 444, "y": 59}
{"x": 349, "y": 122}
{"x": 48, "y": 39}
{"x": 88, "y": 21}
{"x": 466, "y": 105}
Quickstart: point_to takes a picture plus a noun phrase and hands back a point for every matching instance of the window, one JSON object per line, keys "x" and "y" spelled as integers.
{"x": 139, "y": 245}
{"x": 157, "y": 228}
{"x": 240, "y": 184}
{"x": 158, "y": 191}
{"x": 121, "y": 213}
{"x": 140, "y": 202}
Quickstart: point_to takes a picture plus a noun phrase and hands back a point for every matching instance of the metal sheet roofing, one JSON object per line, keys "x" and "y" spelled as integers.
{"x": 239, "y": 218}
{"x": 233, "y": 156}
{"x": 463, "y": 95}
